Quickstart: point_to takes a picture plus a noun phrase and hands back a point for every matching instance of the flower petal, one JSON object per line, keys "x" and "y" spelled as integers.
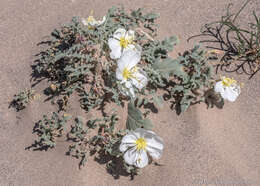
{"x": 141, "y": 132}
{"x": 119, "y": 74}
{"x": 154, "y": 146}
{"x": 219, "y": 87}
{"x": 125, "y": 146}
{"x": 128, "y": 141}
{"x": 130, "y": 35}
{"x": 93, "y": 23}
{"x": 129, "y": 59}
{"x": 129, "y": 47}
{"x": 121, "y": 64}
{"x": 115, "y": 48}
{"x": 154, "y": 141}
{"x": 100, "y": 22}
{"x": 131, "y": 137}
{"x": 120, "y": 32}
{"x": 128, "y": 84}
{"x": 136, "y": 48}
{"x": 142, "y": 159}
{"x": 139, "y": 80}
{"x": 131, "y": 156}
{"x": 127, "y": 92}
{"x": 237, "y": 89}
{"x": 231, "y": 93}
{"x": 84, "y": 21}
{"x": 132, "y": 92}
{"x": 154, "y": 153}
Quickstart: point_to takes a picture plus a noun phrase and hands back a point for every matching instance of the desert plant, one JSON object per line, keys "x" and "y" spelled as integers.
{"x": 48, "y": 130}
{"x": 237, "y": 47}
{"x": 21, "y": 99}
{"x": 118, "y": 61}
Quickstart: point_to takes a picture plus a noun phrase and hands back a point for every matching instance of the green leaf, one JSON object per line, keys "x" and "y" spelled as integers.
{"x": 135, "y": 119}
{"x": 147, "y": 124}
{"x": 139, "y": 102}
{"x": 169, "y": 67}
{"x": 158, "y": 100}
{"x": 56, "y": 34}
{"x": 184, "y": 107}
{"x": 151, "y": 16}
{"x": 178, "y": 88}
{"x": 169, "y": 43}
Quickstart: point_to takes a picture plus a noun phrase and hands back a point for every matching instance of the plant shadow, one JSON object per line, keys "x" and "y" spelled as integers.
{"x": 114, "y": 165}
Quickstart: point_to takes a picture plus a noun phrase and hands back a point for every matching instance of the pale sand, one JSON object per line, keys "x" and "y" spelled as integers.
{"x": 200, "y": 145}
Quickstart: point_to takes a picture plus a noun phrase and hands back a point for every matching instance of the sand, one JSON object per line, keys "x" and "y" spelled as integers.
{"x": 201, "y": 146}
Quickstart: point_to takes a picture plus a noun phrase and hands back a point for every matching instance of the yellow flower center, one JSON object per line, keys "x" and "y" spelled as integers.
{"x": 141, "y": 144}
{"x": 127, "y": 74}
{"x": 124, "y": 42}
{"x": 228, "y": 81}
{"x": 90, "y": 19}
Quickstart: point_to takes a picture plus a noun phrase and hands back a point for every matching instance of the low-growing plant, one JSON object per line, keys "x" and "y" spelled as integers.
{"x": 48, "y": 130}
{"x": 118, "y": 61}
{"x": 188, "y": 78}
{"x": 237, "y": 47}
{"x": 21, "y": 99}
{"x": 86, "y": 144}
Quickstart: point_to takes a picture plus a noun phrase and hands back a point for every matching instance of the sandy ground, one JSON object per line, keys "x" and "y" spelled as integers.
{"x": 200, "y": 146}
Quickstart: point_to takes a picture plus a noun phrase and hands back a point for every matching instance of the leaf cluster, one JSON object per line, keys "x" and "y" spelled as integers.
{"x": 21, "y": 99}
{"x": 77, "y": 61}
{"x": 77, "y": 58}
{"x": 238, "y": 46}
{"x": 187, "y": 78}
{"x": 48, "y": 130}
{"x": 105, "y": 142}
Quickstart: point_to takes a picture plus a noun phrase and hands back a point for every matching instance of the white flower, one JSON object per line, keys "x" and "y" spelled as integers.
{"x": 91, "y": 22}
{"x": 228, "y": 89}
{"x": 122, "y": 41}
{"x": 128, "y": 73}
{"x": 136, "y": 144}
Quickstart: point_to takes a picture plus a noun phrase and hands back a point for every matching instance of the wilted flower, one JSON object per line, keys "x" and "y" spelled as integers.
{"x": 53, "y": 87}
{"x": 91, "y": 22}
{"x": 228, "y": 88}
{"x": 136, "y": 144}
{"x": 122, "y": 41}
{"x": 128, "y": 73}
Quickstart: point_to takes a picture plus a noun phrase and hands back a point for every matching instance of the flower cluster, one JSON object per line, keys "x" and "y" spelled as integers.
{"x": 136, "y": 144}
{"x": 140, "y": 144}
{"x": 128, "y": 53}
{"x": 117, "y": 59}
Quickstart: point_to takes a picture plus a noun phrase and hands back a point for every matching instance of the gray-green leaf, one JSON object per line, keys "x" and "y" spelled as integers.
{"x": 169, "y": 67}
{"x": 135, "y": 119}
{"x": 158, "y": 100}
